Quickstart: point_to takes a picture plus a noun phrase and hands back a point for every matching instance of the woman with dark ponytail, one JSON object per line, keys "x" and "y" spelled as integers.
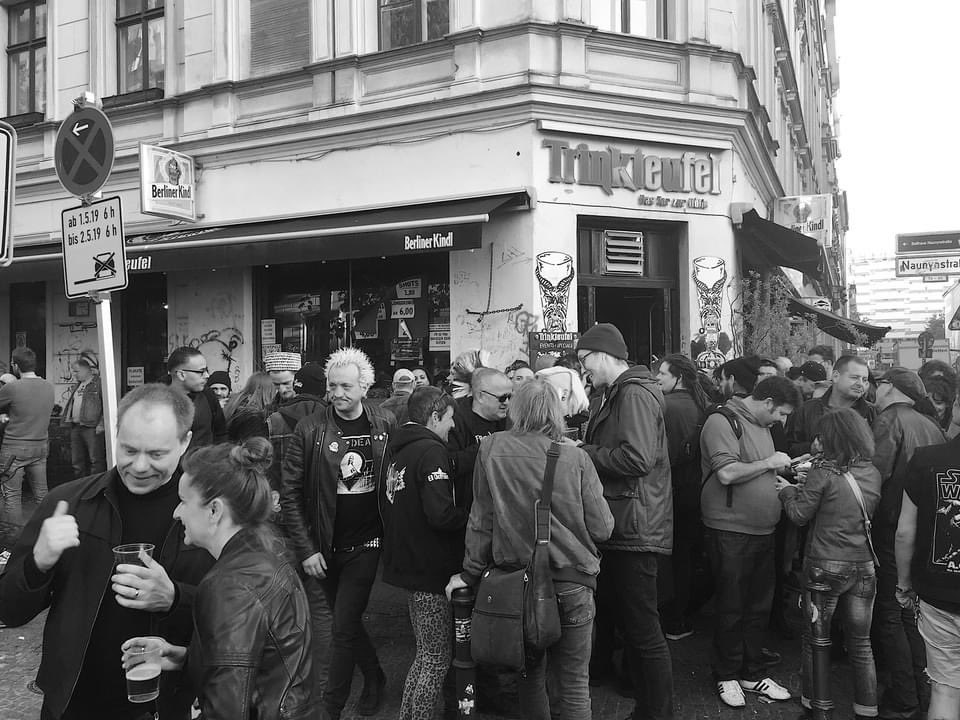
{"x": 251, "y": 648}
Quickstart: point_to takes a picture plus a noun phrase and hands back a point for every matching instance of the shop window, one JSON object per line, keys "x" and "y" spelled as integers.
{"x": 140, "y": 45}
{"x": 407, "y": 22}
{"x": 644, "y": 18}
{"x": 279, "y": 36}
{"x": 144, "y": 347}
{"x": 28, "y": 321}
{"x": 397, "y": 310}
{"x": 27, "y": 58}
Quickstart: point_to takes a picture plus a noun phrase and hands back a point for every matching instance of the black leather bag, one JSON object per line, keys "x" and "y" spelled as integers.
{"x": 516, "y": 612}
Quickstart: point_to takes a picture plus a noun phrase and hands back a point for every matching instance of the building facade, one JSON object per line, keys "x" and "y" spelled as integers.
{"x": 906, "y": 304}
{"x": 417, "y": 177}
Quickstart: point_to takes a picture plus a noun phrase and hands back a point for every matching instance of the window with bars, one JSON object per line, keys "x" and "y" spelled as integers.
{"x": 279, "y": 36}
{"x": 140, "y": 45}
{"x": 407, "y": 22}
{"x": 644, "y": 18}
{"x": 27, "y": 57}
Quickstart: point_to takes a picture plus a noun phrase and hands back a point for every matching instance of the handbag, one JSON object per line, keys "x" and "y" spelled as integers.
{"x": 867, "y": 525}
{"x": 516, "y": 611}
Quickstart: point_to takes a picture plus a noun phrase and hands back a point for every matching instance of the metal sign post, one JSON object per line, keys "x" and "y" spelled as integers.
{"x": 94, "y": 253}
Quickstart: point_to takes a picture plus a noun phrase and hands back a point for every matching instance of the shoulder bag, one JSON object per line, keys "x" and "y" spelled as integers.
{"x": 867, "y": 524}
{"x": 516, "y": 612}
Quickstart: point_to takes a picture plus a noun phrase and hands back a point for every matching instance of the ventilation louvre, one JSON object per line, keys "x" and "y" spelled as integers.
{"x": 622, "y": 253}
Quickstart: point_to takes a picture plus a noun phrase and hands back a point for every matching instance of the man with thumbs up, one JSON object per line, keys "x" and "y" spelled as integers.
{"x": 64, "y": 561}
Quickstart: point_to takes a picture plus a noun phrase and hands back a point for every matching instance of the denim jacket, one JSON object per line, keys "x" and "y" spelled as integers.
{"x": 91, "y": 405}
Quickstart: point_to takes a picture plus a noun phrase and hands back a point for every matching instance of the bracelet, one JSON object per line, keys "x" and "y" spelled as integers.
{"x": 903, "y": 590}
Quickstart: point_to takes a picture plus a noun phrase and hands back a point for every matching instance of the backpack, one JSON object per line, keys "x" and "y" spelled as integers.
{"x": 688, "y": 481}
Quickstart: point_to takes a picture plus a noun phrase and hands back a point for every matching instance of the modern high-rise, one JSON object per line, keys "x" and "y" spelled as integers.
{"x": 906, "y": 304}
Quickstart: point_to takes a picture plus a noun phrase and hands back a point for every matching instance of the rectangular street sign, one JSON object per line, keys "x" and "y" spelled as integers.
{"x": 935, "y": 278}
{"x": 917, "y": 266}
{"x": 94, "y": 256}
{"x": 928, "y": 243}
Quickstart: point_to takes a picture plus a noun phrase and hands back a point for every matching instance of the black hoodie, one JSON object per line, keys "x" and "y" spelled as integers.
{"x": 423, "y": 528}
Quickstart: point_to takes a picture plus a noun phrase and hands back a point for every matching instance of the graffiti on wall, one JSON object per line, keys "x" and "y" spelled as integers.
{"x": 79, "y": 336}
{"x": 218, "y": 347}
{"x": 710, "y": 278}
{"x": 555, "y": 274}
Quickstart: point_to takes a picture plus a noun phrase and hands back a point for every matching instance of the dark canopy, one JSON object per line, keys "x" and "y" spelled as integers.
{"x": 766, "y": 244}
{"x": 836, "y": 325}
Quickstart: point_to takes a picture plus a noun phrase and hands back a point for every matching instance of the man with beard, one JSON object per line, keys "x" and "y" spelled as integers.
{"x": 850, "y": 380}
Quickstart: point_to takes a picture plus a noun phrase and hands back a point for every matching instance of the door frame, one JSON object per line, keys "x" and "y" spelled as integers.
{"x": 670, "y": 296}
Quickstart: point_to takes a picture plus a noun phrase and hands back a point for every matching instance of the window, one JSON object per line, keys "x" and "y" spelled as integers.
{"x": 139, "y": 23}
{"x": 644, "y": 18}
{"x": 406, "y": 22}
{"x": 279, "y": 36}
{"x": 27, "y": 57}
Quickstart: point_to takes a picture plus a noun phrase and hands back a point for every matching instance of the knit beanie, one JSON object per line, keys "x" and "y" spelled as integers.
{"x": 906, "y": 381}
{"x": 310, "y": 380}
{"x": 606, "y": 338}
{"x": 219, "y": 377}
{"x": 89, "y": 358}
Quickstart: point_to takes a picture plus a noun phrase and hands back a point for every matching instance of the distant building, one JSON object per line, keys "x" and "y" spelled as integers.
{"x": 906, "y": 304}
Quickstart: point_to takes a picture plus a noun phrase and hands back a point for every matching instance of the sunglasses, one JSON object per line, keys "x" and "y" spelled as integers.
{"x": 202, "y": 371}
{"x": 500, "y": 398}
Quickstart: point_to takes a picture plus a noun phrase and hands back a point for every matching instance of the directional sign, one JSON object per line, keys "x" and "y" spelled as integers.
{"x": 927, "y": 243}
{"x": 917, "y": 266}
{"x": 83, "y": 153}
{"x": 8, "y": 154}
{"x": 94, "y": 256}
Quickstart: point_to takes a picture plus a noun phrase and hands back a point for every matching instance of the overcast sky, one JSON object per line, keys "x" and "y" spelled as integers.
{"x": 898, "y": 125}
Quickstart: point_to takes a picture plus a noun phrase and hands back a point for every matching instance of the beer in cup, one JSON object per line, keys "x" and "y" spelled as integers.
{"x": 130, "y": 554}
{"x": 143, "y": 676}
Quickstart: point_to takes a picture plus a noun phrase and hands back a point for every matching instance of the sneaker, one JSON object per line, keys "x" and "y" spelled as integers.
{"x": 731, "y": 693}
{"x": 677, "y": 631}
{"x": 766, "y": 687}
{"x": 372, "y": 696}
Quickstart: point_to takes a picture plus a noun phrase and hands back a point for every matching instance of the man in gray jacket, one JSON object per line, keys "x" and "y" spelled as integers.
{"x": 627, "y": 442}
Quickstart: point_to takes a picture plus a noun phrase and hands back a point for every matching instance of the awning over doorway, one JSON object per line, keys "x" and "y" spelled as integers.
{"x": 837, "y": 325}
{"x": 764, "y": 244}
{"x": 400, "y": 230}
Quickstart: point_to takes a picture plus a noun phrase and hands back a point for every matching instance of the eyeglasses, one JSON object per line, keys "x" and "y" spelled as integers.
{"x": 201, "y": 371}
{"x": 500, "y": 398}
{"x": 581, "y": 358}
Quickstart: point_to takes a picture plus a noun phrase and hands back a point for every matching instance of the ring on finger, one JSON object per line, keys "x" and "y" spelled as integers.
{"x": 136, "y": 594}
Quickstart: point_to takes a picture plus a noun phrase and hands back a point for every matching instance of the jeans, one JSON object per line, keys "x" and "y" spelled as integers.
{"x": 88, "y": 451}
{"x": 743, "y": 570}
{"x": 17, "y": 460}
{"x": 895, "y": 632}
{"x": 853, "y": 586}
{"x": 321, "y": 632}
{"x": 567, "y": 662}
{"x": 432, "y": 619}
{"x": 627, "y": 596}
{"x": 350, "y": 577}
{"x": 687, "y": 541}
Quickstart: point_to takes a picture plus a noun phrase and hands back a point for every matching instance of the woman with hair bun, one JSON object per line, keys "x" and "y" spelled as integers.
{"x": 250, "y": 652}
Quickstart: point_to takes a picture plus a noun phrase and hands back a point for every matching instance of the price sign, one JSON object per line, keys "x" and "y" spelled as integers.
{"x": 402, "y": 309}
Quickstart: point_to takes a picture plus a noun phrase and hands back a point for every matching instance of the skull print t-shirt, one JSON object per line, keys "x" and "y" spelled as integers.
{"x": 358, "y": 517}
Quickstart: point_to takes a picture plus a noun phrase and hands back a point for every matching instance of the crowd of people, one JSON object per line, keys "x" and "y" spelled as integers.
{"x": 272, "y": 508}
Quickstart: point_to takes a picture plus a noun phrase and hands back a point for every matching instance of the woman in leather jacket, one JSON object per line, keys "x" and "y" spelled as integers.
{"x": 250, "y": 653}
{"x": 840, "y": 492}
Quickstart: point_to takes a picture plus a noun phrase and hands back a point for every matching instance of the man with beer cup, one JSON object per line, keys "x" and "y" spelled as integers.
{"x": 65, "y": 560}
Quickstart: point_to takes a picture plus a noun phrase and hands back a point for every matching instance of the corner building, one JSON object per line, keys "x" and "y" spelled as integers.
{"x": 423, "y": 176}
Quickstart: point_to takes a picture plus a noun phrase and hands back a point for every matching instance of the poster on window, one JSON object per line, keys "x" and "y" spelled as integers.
{"x": 167, "y": 183}
{"x": 406, "y": 349}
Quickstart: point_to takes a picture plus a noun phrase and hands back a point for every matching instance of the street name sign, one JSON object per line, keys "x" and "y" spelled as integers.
{"x": 919, "y": 266}
{"x": 94, "y": 255}
{"x": 8, "y": 169}
{"x": 83, "y": 151}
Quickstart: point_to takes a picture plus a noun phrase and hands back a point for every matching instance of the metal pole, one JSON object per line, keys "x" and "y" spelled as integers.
{"x": 108, "y": 374}
{"x": 462, "y": 600}
{"x": 821, "y": 702}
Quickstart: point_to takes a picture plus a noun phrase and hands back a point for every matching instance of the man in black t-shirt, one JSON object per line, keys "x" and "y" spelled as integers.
{"x": 928, "y": 566}
{"x": 335, "y": 463}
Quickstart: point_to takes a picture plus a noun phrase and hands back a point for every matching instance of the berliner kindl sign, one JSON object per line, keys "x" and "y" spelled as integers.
{"x": 167, "y": 183}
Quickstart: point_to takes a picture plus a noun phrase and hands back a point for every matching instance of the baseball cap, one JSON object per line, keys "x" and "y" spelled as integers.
{"x": 810, "y": 370}
{"x": 309, "y": 380}
{"x": 403, "y": 378}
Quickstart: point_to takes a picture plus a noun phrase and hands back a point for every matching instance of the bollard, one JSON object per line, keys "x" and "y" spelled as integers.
{"x": 462, "y": 600}
{"x": 821, "y": 702}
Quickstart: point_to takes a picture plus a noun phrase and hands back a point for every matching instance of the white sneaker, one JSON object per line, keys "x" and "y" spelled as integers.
{"x": 731, "y": 694}
{"x": 767, "y": 688}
